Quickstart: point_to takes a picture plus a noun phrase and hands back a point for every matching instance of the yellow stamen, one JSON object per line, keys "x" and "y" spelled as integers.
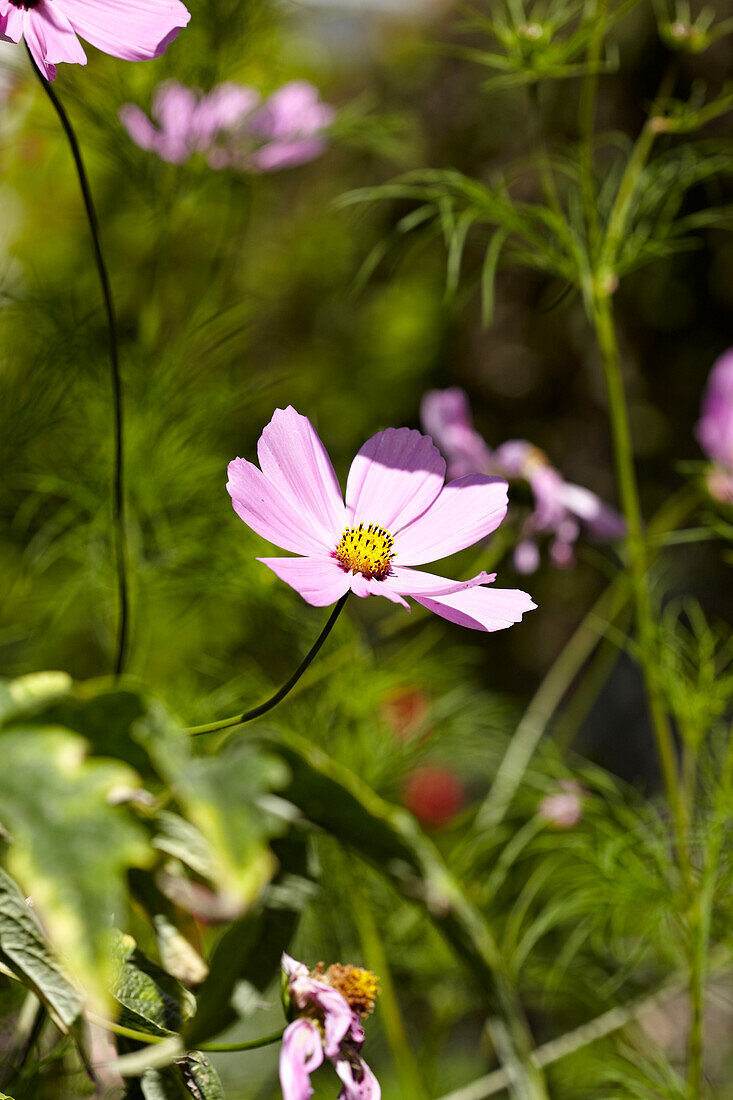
{"x": 367, "y": 550}
{"x": 358, "y": 987}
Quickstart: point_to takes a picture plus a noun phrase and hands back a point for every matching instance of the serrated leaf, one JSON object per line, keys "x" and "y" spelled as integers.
{"x": 251, "y": 948}
{"x": 27, "y": 955}
{"x": 201, "y": 1078}
{"x": 70, "y": 849}
{"x": 152, "y": 1000}
{"x": 219, "y": 794}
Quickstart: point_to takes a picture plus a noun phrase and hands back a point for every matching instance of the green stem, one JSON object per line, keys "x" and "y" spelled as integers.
{"x": 258, "y": 711}
{"x": 700, "y": 928}
{"x": 216, "y": 1048}
{"x": 587, "y": 115}
{"x": 623, "y": 453}
{"x": 121, "y": 552}
{"x": 249, "y": 1044}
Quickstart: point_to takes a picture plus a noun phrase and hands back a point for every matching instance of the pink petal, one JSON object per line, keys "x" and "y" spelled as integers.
{"x": 139, "y": 126}
{"x": 293, "y": 458}
{"x": 287, "y": 154}
{"x": 367, "y": 586}
{"x": 261, "y": 505}
{"x": 446, "y": 416}
{"x": 466, "y": 511}
{"x": 396, "y": 475}
{"x": 415, "y": 583}
{"x": 358, "y": 1081}
{"x": 481, "y": 608}
{"x": 300, "y": 1054}
{"x": 11, "y": 21}
{"x": 136, "y": 30}
{"x": 320, "y": 581}
{"x": 50, "y": 36}
{"x": 526, "y": 557}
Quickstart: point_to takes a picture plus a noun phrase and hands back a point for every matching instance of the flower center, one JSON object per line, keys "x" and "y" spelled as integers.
{"x": 25, "y": 3}
{"x": 358, "y": 987}
{"x": 366, "y": 550}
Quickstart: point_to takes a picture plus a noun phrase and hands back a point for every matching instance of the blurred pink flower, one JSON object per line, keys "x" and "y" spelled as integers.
{"x": 398, "y": 514}
{"x": 187, "y": 122}
{"x": 291, "y": 123}
{"x": 434, "y": 795}
{"x": 329, "y": 1026}
{"x": 563, "y": 809}
{"x": 135, "y": 30}
{"x": 231, "y": 127}
{"x": 559, "y": 506}
{"x": 714, "y": 429}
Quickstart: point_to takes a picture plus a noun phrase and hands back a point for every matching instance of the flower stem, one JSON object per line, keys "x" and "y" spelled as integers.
{"x": 258, "y": 711}
{"x": 249, "y": 1044}
{"x": 603, "y": 321}
{"x": 120, "y": 537}
{"x": 587, "y": 117}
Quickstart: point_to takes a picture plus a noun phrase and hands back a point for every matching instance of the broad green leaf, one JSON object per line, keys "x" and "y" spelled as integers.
{"x": 178, "y": 956}
{"x": 220, "y": 796}
{"x": 70, "y": 848}
{"x": 152, "y": 1000}
{"x": 100, "y": 711}
{"x": 28, "y": 694}
{"x": 182, "y": 840}
{"x": 27, "y": 955}
{"x": 251, "y": 948}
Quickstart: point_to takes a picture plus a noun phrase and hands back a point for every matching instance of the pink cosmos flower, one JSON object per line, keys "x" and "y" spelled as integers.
{"x": 187, "y": 122}
{"x": 714, "y": 429}
{"x": 398, "y": 514}
{"x": 563, "y": 809}
{"x": 559, "y": 506}
{"x": 136, "y": 30}
{"x": 291, "y": 123}
{"x": 327, "y": 1024}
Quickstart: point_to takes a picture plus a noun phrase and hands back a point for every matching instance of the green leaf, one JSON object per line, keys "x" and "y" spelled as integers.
{"x": 152, "y": 999}
{"x": 221, "y": 796}
{"x": 201, "y": 1077}
{"x": 251, "y": 948}
{"x": 70, "y": 848}
{"x": 192, "y": 1076}
{"x": 25, "y": 952}
{"x": 28, "y": 694}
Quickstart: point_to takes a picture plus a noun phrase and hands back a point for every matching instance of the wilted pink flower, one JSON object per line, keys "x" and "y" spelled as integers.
{"x": 714, "y": 429}
{"x": 136, "y": 30}
{"x": 563, "y": 809}
{"x": 434, "y": 795}
{"x": 559, "y": 506}
{"x": 187, "y": 122}
{"x": 398, "y": 514}
{"x": 328, "y": 1006}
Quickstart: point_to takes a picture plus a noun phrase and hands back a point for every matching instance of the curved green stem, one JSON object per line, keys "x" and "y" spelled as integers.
{"x": 249, "y": 1044}
{"x": 258, "y": 711}
{"x": 121, "y": 555}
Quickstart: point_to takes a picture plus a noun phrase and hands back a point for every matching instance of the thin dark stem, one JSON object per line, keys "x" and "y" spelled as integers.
{"x": 257, "y": 712}
{"x": 248, "y": 1044}
{"x": 119, "y": 457}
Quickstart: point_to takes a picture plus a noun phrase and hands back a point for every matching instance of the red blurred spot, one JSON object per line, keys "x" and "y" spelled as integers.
{"x": 434, "y": 795}
{"x": 405, "y": 711}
